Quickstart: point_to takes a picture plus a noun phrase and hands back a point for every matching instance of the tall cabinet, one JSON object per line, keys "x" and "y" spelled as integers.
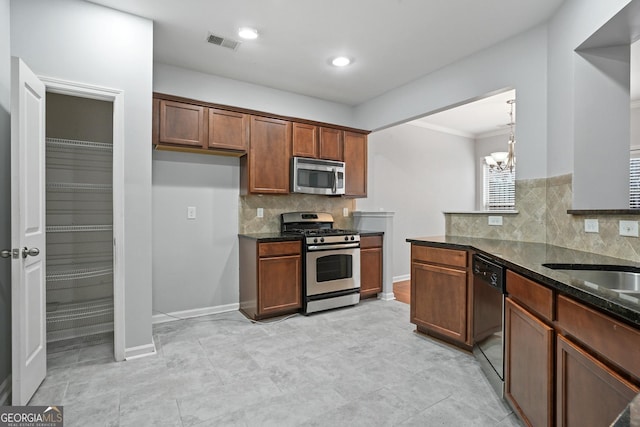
{"x": 79, "y": 161}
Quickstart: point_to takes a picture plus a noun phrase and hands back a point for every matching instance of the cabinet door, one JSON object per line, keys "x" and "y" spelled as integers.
{"x": 370, "y": 272}
{"x": 330, "y": 144}
{"x": 588, "y": 392}
{"x": 439, "y": 300}
{"x": 305, "y": 140}
{"x": 528, "y": 365}
{"x": 182, "y": 124}
{"x": 228, "y": 130}
{"x": 269, "y": 155}
{"x": 279, "y": 284}
{"x": 355, "y": 158}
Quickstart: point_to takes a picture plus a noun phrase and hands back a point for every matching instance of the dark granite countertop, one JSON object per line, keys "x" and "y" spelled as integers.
{"x": 271, "y": 237}
{"x": 371, "y": 233}
{"x": 527, "y": 259}
{"x": 279, "y": 237}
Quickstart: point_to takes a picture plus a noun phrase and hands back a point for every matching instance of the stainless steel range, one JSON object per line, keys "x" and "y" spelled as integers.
{"x": 332, "y": 261}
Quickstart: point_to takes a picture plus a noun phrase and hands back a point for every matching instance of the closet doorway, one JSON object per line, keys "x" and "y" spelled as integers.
{"x": 84, "y": 230}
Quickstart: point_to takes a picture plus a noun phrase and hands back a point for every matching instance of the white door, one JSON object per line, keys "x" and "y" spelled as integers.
{"x": 28, "y": 290}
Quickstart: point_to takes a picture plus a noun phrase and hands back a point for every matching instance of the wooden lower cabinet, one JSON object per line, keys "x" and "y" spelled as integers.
{"x": 589, "y": 393}
{"x": 528, "y": 365}
{"x": 439, "y": 300}
{"x": 279, "y": 286}
{"x": 370, "y": 266}
{"x": 270, "y": 278}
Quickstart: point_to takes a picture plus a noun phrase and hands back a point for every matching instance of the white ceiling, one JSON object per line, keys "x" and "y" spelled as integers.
{"x": 481, "y": 118}
{"x": 392, "y": 42}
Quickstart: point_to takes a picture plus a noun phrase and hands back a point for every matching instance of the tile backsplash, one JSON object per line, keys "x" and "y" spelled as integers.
{"x": 542, "y": 216}
{"x": 274, "y": 205}
{"x": 527, "y": 225}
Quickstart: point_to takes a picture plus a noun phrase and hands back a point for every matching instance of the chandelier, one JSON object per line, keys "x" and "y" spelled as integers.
{"x": 503, "y": 160}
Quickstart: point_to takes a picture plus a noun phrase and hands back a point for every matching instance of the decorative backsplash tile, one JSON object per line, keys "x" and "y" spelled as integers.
{"x": 542, "y": 216}
{"x": 273, "y": 206}
{"x": 527, "y": 225}
{"x": 568, "y": 230}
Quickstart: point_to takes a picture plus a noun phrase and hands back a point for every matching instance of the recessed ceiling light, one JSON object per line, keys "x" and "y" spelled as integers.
{"x": 248, "y": 33}
{"x": 341, "y": 61}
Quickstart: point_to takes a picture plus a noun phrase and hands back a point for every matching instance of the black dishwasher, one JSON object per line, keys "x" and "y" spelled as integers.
{"x": 488, "y": 319}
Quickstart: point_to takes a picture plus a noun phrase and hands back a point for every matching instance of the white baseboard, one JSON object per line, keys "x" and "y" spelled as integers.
{"x": 401, "y": 278}
{"x": 196, "y": 312}
{"x": 5, "y": 391}
{"x": 140, "y": 351}
{"x": 386, "y": 296}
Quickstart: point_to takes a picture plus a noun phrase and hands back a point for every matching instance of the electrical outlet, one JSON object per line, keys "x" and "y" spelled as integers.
{"x": 629, "y": 228}
{"x": 495, "y": 220}
{"x": 591, "y": 225}
{"x": 191, "y": 212}
{"x": 260, "y": 213}
{"x": 345, "y": 211}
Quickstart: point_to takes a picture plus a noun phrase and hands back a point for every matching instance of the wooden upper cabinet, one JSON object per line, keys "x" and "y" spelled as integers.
{"x": 305, "y": 140}
{"x": 228, "y": 130}
{"x": 355, "y": 158}
{"x": 330, "y": 144}
{"x": 268, "y": 157}
{"x": 182, "y": 124}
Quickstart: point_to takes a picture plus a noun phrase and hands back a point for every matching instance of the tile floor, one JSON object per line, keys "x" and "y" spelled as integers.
{"x": 357, "y": 366}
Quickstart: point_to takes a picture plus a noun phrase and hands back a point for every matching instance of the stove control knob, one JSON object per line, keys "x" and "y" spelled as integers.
{"x": 346, "y": 237}
{"x": 322, "y": 239}
{"x": 315, "y": 240}
{"x": 353, "y": 238}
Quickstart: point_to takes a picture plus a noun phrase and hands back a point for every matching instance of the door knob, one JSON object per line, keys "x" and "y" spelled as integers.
{"x": 6, "y": 253}
{"x": 30, "y": 252}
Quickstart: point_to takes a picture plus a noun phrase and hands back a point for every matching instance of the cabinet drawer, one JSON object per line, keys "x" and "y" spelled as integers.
{"x": 370, "y": 242}
{"x": 534, "y": 296}
{"x": 279, "y": 248}
{"x": 451, "y": 257}
{"x": 607, "y": 336}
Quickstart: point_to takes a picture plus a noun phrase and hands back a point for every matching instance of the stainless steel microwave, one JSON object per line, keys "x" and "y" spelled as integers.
{"x": 316, "y": 176}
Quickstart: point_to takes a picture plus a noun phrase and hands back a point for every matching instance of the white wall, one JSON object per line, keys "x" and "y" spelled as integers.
{"x": 484, "y": 146}
{"x": 205, "y": 87}
{"x": 195, "y": 262}
{"x": 418, "y": 173}
{"x": 5, "y": 193}
{"x": 575, "y": 21}
{"x": 82, "y": 42}
{"x": 519, "y": 63}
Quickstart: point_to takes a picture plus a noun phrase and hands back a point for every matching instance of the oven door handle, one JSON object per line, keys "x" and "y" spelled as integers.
{"x": 337, "y": 246}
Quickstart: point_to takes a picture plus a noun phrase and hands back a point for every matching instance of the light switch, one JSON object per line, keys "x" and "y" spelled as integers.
{"x": 345, "y": 211}
{"x": 191, "y": 212}
{"x": 260, "y": 213}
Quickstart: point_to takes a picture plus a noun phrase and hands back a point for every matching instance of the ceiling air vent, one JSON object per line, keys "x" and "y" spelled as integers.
{"x": 223, "y": 41}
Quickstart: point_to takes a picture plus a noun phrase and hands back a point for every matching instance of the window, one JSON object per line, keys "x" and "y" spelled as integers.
{"x": 634, "y": 180}
{"x": 499, "y": 188}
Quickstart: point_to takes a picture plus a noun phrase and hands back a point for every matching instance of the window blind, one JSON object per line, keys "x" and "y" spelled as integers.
{"x": 634, "y": 181}
{"x": 499, "y": 189}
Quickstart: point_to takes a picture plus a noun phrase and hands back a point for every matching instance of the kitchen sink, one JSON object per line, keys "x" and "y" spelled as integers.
{"x": 616, "y": 280}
